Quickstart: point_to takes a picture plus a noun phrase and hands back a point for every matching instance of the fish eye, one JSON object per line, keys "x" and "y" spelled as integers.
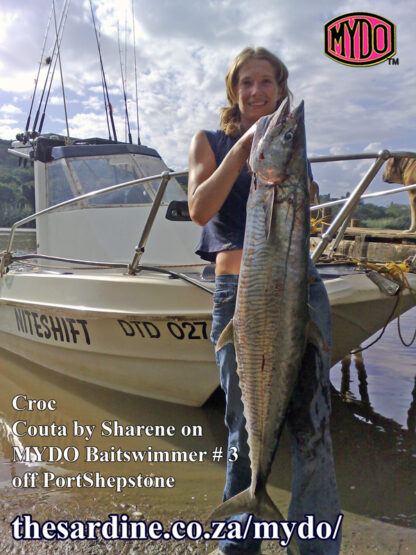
{"x": 289, "y": 136}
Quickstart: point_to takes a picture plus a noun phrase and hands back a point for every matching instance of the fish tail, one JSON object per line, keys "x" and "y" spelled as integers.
{"x": 268, "y": 511}
{"x": 260, "y": 504}
{"x": 243, "y": 502}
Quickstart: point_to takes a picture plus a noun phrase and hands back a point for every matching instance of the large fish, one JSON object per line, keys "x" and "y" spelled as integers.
{"x": 269, "y": 327}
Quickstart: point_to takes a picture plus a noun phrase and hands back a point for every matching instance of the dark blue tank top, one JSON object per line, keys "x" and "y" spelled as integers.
{"x": 225, "y": 230}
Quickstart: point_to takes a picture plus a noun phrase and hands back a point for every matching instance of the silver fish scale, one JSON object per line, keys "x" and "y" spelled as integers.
{"x": 271, "y": 310}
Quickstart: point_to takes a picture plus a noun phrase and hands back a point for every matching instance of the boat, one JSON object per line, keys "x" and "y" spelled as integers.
{"x": 115, "y": 295}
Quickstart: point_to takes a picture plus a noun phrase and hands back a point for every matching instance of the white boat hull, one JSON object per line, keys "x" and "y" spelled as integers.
{"x": 149, "y": 334}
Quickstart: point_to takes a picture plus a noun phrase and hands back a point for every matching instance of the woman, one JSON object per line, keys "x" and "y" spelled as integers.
{"x": 218, "y": 189}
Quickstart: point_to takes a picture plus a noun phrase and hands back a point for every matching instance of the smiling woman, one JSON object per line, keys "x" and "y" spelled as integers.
{"x": 218, "y": 190}
{"x": 255, "y": 82}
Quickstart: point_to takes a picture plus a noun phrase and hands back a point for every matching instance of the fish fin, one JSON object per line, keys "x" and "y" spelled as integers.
{"x": 226, "y": 337}
{"x": 268, "y": 511}
{"x": 268, "y": 211}
{"x": 259, "y": 505}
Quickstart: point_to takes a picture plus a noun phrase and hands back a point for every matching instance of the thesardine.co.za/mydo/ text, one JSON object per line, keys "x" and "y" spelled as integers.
{"x": 120, "y": 527}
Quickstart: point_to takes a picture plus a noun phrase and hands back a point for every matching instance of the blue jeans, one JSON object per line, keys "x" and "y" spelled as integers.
{"x": 314, "y": 489}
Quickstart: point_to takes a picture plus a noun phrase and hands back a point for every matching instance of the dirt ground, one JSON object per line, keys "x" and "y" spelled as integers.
{"x": 361, "y": 536}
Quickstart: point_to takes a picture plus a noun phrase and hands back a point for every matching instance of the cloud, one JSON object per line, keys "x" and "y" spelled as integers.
{"x": 183, "y": 50}
{"x": 10, "y": 109}
{"x": 7, "y": 132}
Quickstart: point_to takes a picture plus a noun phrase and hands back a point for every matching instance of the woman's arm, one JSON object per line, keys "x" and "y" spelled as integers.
{"x": 209, "y": 186}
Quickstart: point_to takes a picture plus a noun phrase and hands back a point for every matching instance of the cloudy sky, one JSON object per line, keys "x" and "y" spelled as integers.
{"x": 183, "y": 50}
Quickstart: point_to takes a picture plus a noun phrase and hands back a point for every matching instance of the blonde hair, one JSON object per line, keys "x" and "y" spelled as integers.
{"x": 230, "y": 117}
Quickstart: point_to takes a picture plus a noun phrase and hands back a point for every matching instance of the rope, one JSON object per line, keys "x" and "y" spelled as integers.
{"x": 316, "y": 223}
{"x": 396, "y": 304}
{"x": 396, "y": 272}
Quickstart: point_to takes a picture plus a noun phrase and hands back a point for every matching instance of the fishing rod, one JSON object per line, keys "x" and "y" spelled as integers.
{"x": 62, "y": 75}
{"x": 105, "y": 99}
{"x": 135, "y": 73}
{"x": 110, "y": 107}
{"x": 40, "y": 66}
{"x": 124, "y": 87}
{"x": 64, "y": 14}
{"x": 61, "y": 28}
{"x": 42, "y": 119}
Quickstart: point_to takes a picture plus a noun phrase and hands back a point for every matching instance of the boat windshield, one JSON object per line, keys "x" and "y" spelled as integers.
{"x": 70, "y": 177}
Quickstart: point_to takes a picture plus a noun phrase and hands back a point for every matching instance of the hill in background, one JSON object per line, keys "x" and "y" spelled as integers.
{"x": 17, "y": 199}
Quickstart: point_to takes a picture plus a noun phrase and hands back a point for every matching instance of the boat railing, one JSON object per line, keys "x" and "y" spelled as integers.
{"x": 339, "y": 224}
{"x": 139, "y": 250}
{"x": 341, "y": 220}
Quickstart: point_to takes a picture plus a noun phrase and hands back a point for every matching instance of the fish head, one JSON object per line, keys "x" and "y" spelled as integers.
{"x": 277, "y": 138}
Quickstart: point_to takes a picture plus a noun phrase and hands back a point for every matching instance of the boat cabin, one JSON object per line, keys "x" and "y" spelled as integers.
{"x": 107, "y": 227}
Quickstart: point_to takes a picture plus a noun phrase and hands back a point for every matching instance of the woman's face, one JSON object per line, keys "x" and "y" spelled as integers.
{"x": 257, "y": 91}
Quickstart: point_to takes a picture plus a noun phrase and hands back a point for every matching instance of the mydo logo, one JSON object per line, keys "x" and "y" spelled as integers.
{"x": 360, "y": 39}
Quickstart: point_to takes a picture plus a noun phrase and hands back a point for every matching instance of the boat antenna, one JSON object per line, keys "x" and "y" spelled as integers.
{"x": 107, "y": 103}
{"x": 40, "y": 66}
{"x": 124, "y": 86}
{"x": 62, "y": 75}
{"x": 50, "y": 58}
{"x": 135, "y": 74}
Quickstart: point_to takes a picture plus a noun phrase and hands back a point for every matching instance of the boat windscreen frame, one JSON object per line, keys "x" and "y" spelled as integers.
{"x": 129, "y": 159}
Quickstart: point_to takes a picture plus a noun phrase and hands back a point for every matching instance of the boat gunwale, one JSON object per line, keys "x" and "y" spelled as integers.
{"x": 95, "y": 313}
{"x": 341, "y": 287}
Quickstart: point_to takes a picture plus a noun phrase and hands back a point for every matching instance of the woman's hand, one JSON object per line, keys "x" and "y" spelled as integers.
{"x": 247, "y": 139}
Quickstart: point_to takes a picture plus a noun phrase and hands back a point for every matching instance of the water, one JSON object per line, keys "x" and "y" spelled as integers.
{"x": 374, "y": 417}
{"x": 25, "y": 240}
{"x": 383, "y": 377}
{"x": 373, "y": 431}
{"x": 374, "y": 448}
